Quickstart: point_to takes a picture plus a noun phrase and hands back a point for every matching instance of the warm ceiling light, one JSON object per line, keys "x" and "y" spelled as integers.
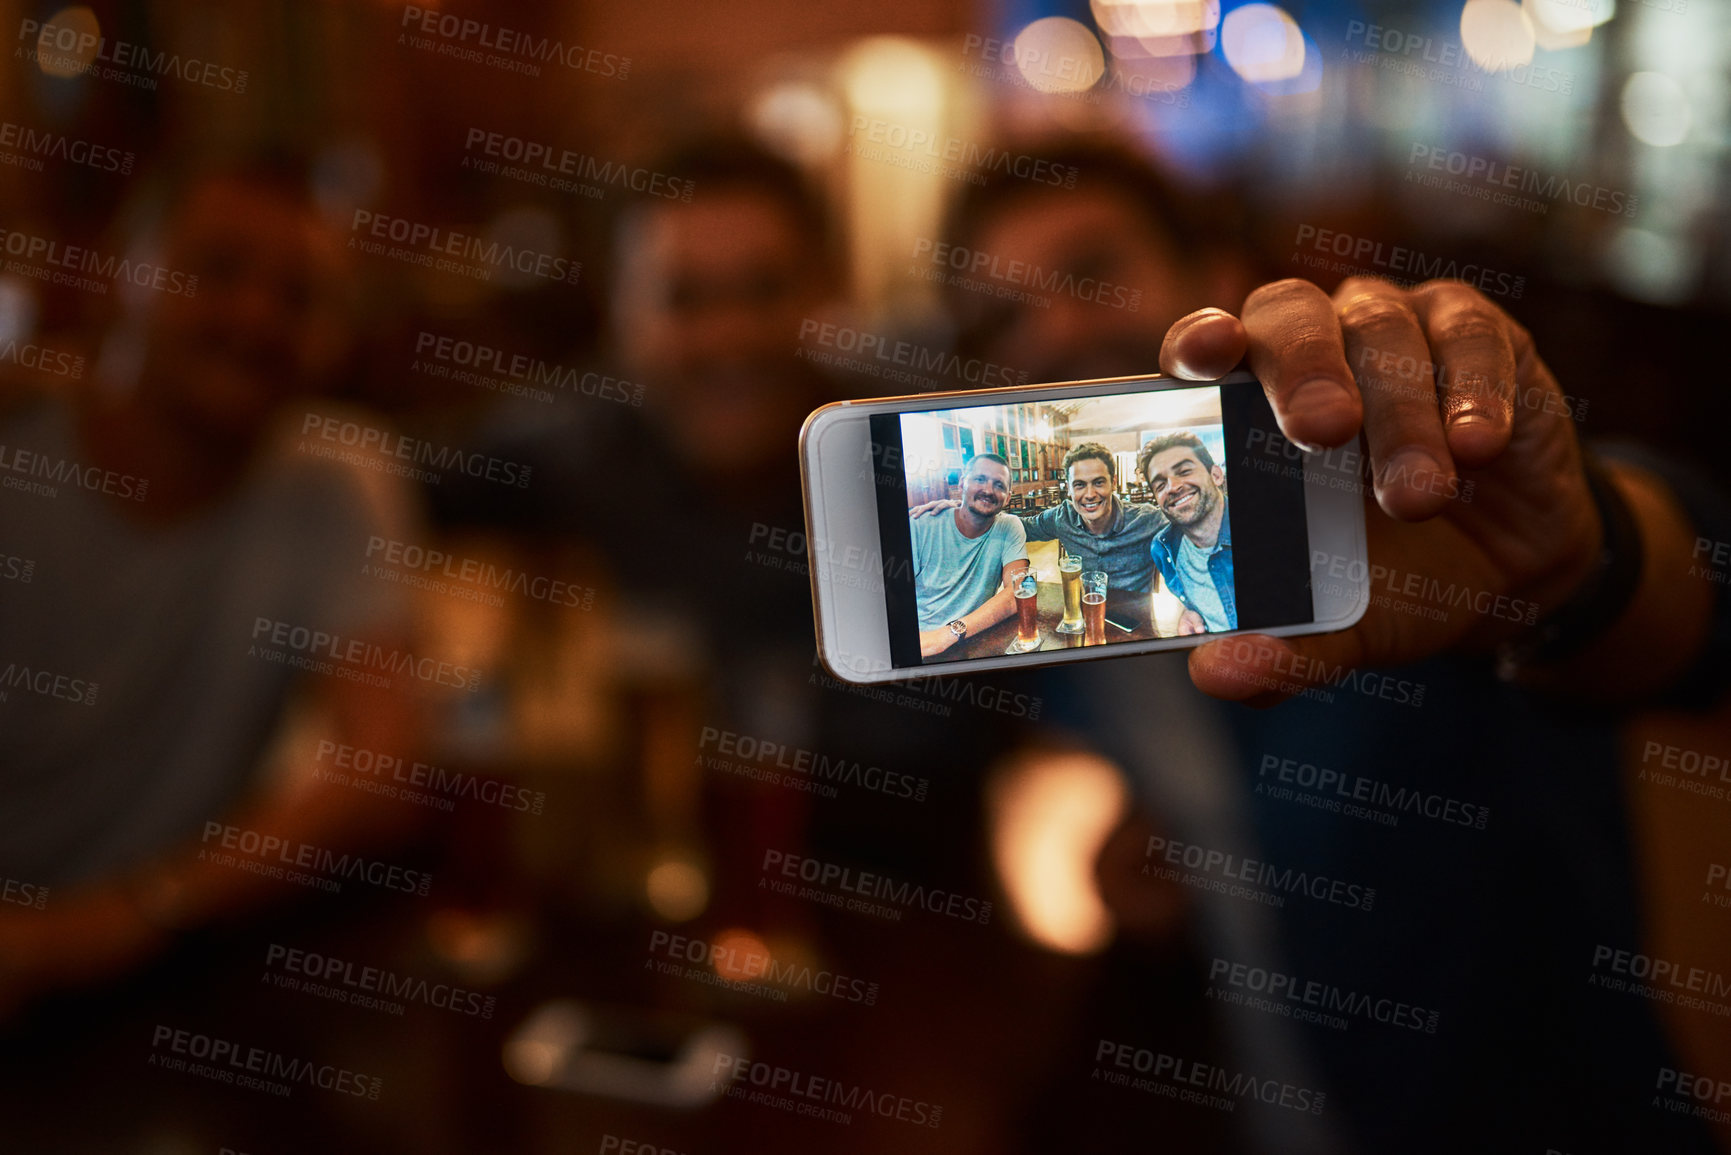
{"x": 1497, "y": 35}
{"x": 1057, "y": 54}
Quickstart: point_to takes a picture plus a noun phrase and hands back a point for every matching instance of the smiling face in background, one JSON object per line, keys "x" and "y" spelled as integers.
{"x": 709, "y": 302}
{"x": 1088, "y": 239}
{"x": 267, "y": 321}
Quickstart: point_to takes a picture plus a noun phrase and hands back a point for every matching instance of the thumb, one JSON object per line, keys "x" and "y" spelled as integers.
{"x": 1204, "y": 346}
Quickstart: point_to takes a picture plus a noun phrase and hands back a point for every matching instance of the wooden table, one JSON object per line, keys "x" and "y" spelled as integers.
{"x": 1127, "y": 609}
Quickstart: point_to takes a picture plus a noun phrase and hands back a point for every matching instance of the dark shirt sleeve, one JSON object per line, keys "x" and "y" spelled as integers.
{"x": 1708, "y": 507}
{"x": 1042, "y": 526}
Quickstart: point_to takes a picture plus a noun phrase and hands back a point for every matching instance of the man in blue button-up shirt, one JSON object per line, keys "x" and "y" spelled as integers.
{"x": 1194, "y": 552}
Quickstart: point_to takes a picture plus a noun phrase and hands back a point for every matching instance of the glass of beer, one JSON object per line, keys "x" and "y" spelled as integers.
{"x": 1094, "y": 607}
{"x": 1027, "y": 591}
{"x": 1070, "y": 573}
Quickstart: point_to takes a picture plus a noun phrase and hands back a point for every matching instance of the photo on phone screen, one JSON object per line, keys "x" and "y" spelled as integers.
{"x": 1094, "y": 520}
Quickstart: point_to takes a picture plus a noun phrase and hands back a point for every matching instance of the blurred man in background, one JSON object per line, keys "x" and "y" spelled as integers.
{"x": 709, "y": 297}
{"x": 1124, "y": 224}
{"x": 694, "y": 502}
{"x": 191, "y": 521}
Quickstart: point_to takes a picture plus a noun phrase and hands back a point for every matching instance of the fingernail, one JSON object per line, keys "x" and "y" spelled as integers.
{"x": 1191, "y": 320}
{"x": 1183, "y": 326}
{"x": 1186, "y": 369}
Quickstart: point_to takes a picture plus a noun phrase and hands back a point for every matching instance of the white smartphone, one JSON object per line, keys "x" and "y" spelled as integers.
{"x": 978, "y": 530}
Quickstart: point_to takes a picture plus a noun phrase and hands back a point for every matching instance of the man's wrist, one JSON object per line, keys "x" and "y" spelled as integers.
{"x": 1666, "y": 624}
{"x": 1600, "y": 596}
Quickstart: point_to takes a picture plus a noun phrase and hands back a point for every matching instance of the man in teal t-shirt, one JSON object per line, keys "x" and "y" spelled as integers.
{"x": 963, "y": 563}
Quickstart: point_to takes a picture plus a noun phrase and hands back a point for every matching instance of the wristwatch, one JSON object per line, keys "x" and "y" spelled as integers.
{"x": 958, "y": 629}
{"x": 1604, "y": 595}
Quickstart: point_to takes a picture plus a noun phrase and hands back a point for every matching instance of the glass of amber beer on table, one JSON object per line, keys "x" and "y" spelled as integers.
{"x": 1026, "y": 587}
{"x": 1094, "y": 607}
{"x": 1070, "y": 573}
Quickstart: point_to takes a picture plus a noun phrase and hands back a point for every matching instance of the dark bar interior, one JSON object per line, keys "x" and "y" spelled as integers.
{"x": 413, "y": 736}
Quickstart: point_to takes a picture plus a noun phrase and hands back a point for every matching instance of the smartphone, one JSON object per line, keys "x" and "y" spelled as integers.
{"x": 956, "y": 532}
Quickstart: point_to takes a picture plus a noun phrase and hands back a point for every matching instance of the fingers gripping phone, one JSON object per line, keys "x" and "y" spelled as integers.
{"x": 990, "y": 529}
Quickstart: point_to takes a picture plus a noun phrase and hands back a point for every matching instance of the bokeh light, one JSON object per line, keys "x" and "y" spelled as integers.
{"x": 1156, "y": 17}
{"x": 1564, "y": 16}
{"x": 1497, "y": 35}
{"x": 1057, "y": 54}
{"x": 738, "y": 955}
{"x": 891, "y": 76}
{"x": 1262, "y": 43}
{"x": 798, "y": 120}
{"x": 1051, "y": 813}
{"x": 68, "y": 42}
{"x": 1655, "y": 109}
{"x": 677, "y": 890}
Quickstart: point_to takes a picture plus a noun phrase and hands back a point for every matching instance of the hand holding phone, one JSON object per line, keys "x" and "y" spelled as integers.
{"x": 1480, "y": 514}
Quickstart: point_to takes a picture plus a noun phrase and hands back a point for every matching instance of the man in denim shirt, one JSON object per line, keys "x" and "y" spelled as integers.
{"x": 1194, "y": 552}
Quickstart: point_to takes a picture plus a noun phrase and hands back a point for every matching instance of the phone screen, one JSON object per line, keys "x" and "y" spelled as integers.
{"x": 1094, "y": 520}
